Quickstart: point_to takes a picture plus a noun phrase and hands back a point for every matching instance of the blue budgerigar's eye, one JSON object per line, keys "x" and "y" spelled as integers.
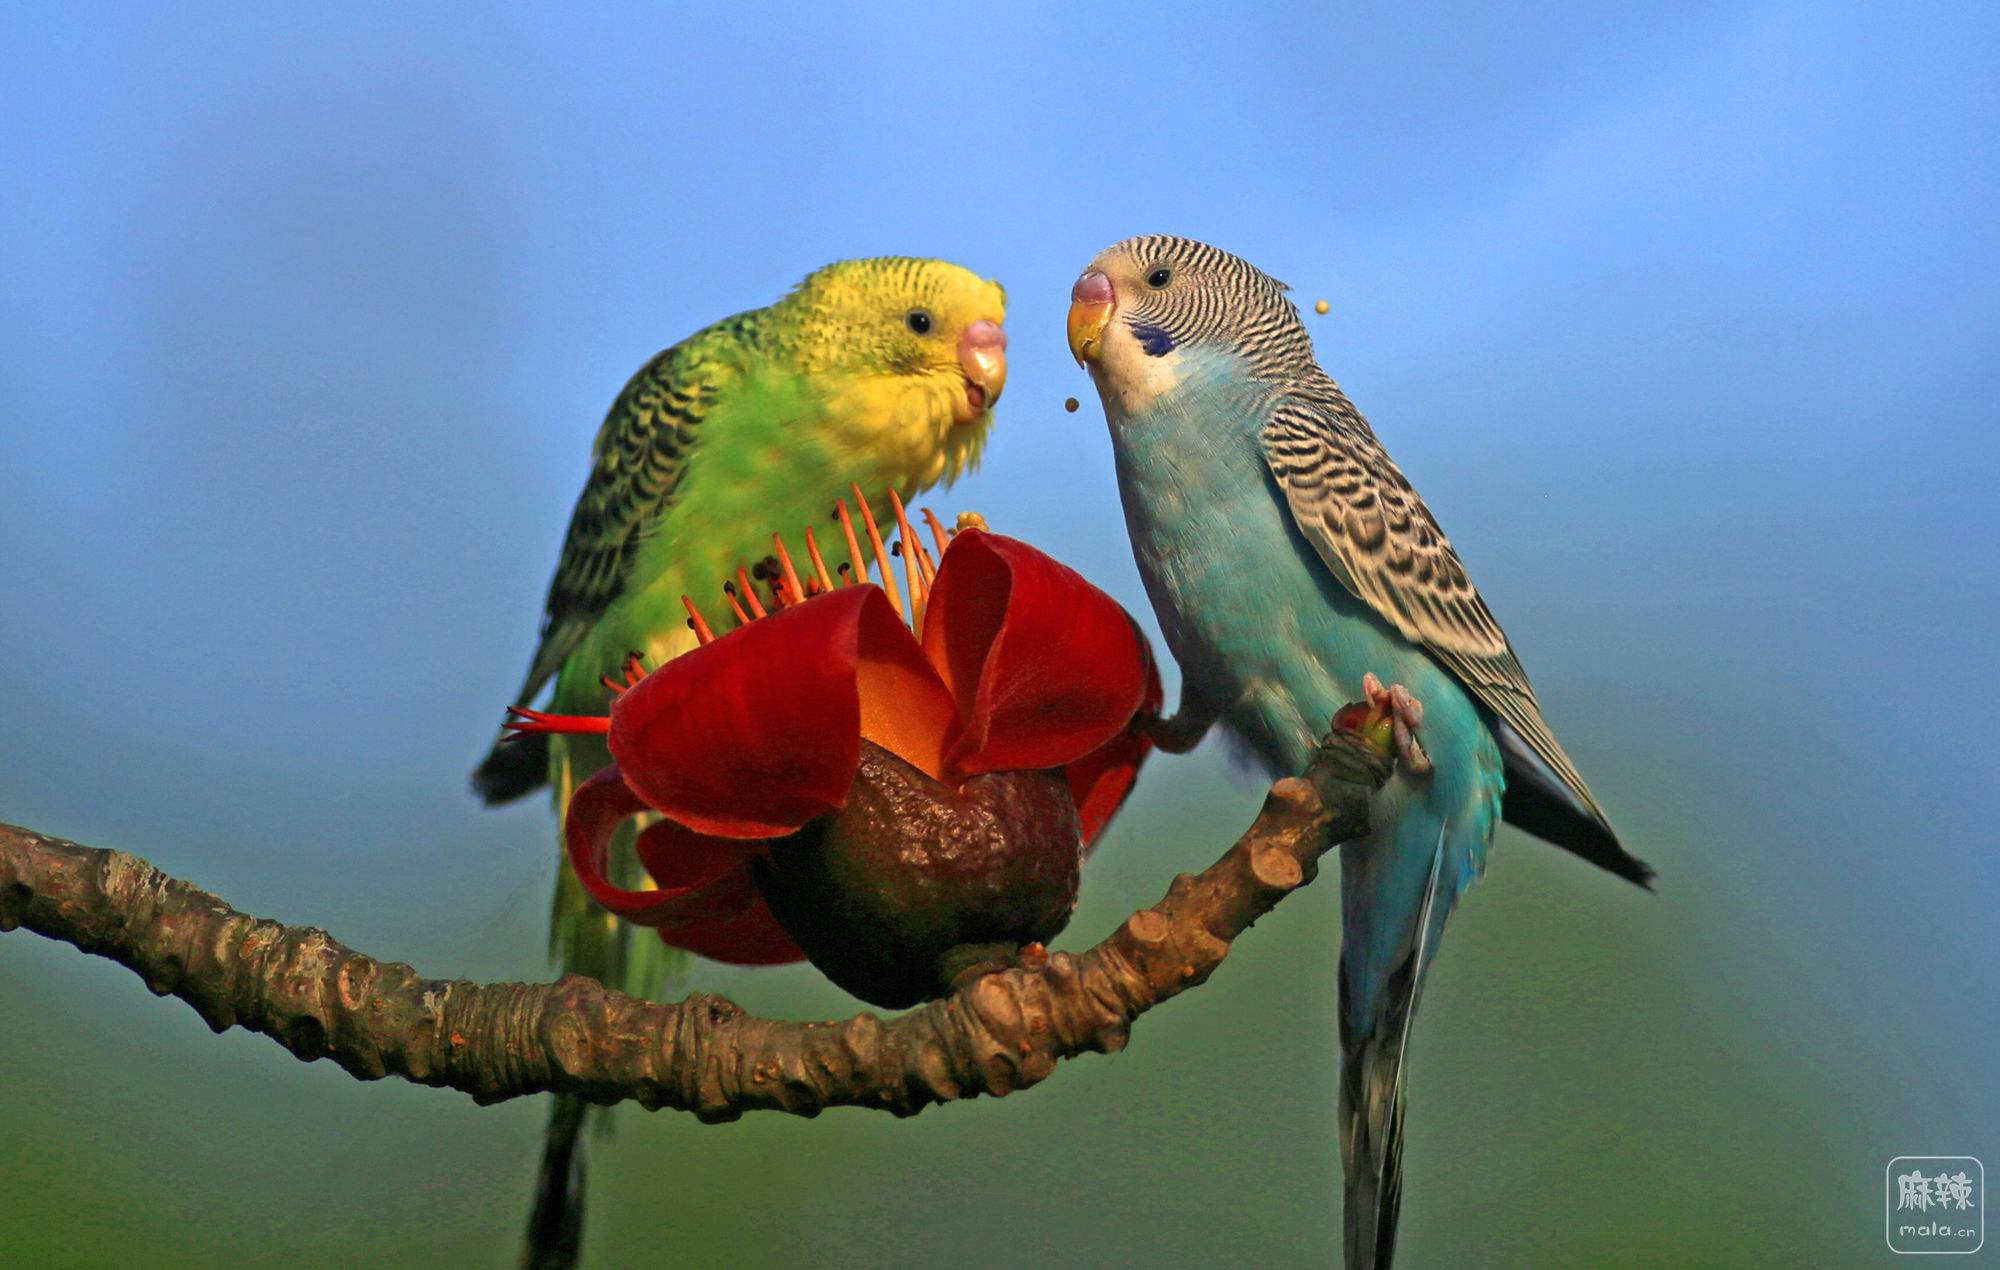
{"x": 919, "y": 320}
{"x": 1159, "y": 277}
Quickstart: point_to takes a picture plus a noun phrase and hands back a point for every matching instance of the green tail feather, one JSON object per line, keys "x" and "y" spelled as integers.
{"x": 586, "y": 939}
{"x": 555, "y": 1223}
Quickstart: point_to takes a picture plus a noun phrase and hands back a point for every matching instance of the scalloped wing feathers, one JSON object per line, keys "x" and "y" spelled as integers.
{"x": 1372, "y": 530}
{"x": 636, "y": 465}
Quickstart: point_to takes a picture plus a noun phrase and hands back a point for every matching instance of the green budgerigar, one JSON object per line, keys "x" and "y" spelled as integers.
{"x": 881, "y": 373}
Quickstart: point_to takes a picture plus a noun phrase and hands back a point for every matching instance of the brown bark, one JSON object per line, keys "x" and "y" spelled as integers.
{"x": 998, "y": 1033}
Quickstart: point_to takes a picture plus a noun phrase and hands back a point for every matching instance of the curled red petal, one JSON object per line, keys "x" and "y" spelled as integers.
{"x": 1101, "y": 779}
{"x": 755, "y": 734}
{"x": 706, "y": 901}
{"x": 689, "y": 891}
{"x": 722, "y": 916}
{"x": 1045, "y": 667}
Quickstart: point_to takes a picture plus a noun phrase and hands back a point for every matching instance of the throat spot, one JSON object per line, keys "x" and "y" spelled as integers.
{"x": 1154, "y": 341}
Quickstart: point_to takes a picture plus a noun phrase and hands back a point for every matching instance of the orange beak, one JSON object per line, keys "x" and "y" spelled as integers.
{"x": 1090, "y": 305}
{"x": 982, "y": 354}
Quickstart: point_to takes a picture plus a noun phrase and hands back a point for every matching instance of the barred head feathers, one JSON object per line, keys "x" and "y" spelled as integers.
{"x": 1173, "y": 292}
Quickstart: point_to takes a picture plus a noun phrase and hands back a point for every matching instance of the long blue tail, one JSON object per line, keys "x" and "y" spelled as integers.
{"x": 1371, "y": 1092}
{"x": 1398, "y": 887}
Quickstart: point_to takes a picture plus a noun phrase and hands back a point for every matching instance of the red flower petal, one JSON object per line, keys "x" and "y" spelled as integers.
{"x": 603, "y": 803}
{"x": 723, "y": 917}
{"x": 758, "y": 732}
{"x": 750, "y": 938}
{"x": 905, "y": 707}
{"x": 1045, "y": 667}
{"x": 1101, "y": 779}
{"x": 706, "y": 901}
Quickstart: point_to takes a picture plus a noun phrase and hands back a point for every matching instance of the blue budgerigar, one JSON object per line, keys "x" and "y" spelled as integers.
{"x": 1294, "y": 569}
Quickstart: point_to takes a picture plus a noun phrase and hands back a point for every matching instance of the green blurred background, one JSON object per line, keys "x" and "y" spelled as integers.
{"x": 1684, "y": 318}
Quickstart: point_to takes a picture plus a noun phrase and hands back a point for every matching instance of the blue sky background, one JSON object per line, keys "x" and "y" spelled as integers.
{"x": 1685, "y": 319}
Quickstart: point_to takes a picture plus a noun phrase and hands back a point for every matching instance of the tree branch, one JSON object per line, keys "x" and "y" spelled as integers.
{"x": 1000, "y": 1033}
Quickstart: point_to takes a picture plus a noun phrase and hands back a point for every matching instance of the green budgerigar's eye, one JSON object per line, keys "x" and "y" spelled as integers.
{"x": 919, "y": 320}
{"x": 1159, "y": 277}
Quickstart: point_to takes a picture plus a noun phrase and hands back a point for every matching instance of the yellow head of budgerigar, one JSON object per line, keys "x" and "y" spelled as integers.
{"x": 918, "y": 349}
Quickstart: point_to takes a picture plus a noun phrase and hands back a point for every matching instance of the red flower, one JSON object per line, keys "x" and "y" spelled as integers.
{"x": 891, "y": 797}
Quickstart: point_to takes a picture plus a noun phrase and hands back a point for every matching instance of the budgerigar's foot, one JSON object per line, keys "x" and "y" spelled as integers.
{"x": 1391, "y": 718}
{"x": 1406, "y": 713}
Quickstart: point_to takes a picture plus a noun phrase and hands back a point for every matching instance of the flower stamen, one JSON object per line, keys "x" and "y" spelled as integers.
{"x": 913, "y": 563}
{"x": 856, "y": 572}
{"x": 793, "y": 593}
{"x": 938, "y": 535}
{"x": 635, "y": 670}
{"x": 742, "y": 618}
{"x": 820, "y": 574}
{"x": 527, "y": 720}
{"x": 788, "y": 588}
{"x": 889, "y": 587}
{"x": 701, "y": 631}
{"x": 749, "y": 593}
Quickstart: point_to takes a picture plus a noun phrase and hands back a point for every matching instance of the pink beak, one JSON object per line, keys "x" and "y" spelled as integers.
{"x": 982, "y": 351}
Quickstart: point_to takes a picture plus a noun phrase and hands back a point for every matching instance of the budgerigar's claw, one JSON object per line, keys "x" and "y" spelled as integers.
{"x": 1404, "y": 714}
